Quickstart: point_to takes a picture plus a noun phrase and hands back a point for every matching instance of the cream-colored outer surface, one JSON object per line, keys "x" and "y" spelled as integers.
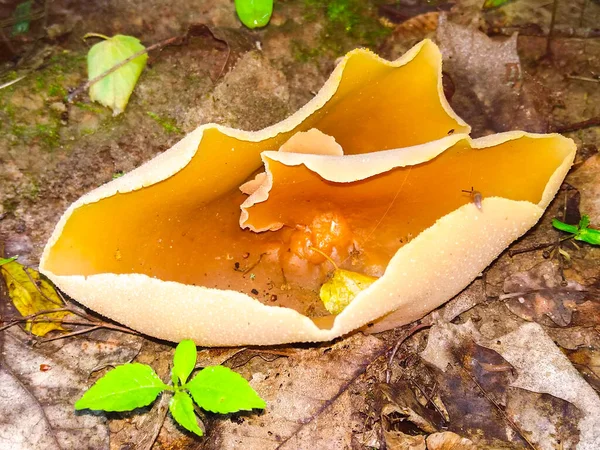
{"x": 423, "y": 274}
{"x": 432, "y": 268}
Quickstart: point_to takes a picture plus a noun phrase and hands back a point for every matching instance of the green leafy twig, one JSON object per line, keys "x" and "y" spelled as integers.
{"x": 580, "y": 232}
{"x": 133, "y": 385}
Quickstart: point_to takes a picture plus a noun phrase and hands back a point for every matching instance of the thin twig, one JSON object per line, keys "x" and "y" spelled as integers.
{"x": 409, "y": 333}
{"x": 162, "y": 414}
{"x": 86, "y": 85}
{"x": 74, "y": 333}
{"x": 593, "y": 122}
{"x": 10, "y": 83}
{"x": 580, "y": 78}
{"x": 552, "y": 21}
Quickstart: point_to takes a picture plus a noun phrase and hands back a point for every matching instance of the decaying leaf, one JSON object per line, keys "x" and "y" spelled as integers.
{"x": 541, "y": 292}
{"x": 39, "y": 384}
{"x": 115, "y": 89}
{"x": 448, "y": 440}
{"x": 401, "y": 407}
{"x": 31, "y": 294}
{"x": 495, "y": 95}
{"x": 477, "y": 388}
{"x": 542, "y": 367}
{"x": 587, "y": 361}
{"x": 397, "y": 440}
{"x": 342, "y": 287}
{"x": 314, "y": 398}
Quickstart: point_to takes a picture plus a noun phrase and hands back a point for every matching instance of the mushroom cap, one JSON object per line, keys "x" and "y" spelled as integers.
{"x": 212, "y": 161}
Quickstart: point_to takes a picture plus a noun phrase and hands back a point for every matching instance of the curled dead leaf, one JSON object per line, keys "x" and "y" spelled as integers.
{"x": 448, "y": 440}
{"x": 33, "y": 294}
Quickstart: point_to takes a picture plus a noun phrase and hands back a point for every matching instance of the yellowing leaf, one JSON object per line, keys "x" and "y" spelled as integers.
{"x": 30, "y": 298}
{"x": 342, "y": 287}
{"x": 115, "y": 89}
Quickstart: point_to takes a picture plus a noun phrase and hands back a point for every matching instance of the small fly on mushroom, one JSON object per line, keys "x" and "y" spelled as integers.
{"x": 476, "y": 197}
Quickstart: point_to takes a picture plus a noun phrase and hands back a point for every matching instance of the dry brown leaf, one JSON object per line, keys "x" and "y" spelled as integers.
{"x": 476, "y": 388}
{"x": 39, "y": 386}
{"x": 542, "y": 367}
{"x": 541, "y": 292}
{"x": 400, "y": 409}
{"x": 313, "y": 397}
{"x": 449, "y": 441}
{"x": 587, "y": 361}
{"x": 492, "y": 96}
{"x": 396, "y": 440}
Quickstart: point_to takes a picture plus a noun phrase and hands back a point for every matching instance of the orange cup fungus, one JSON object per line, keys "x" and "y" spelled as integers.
{"x": 235, "y": 238}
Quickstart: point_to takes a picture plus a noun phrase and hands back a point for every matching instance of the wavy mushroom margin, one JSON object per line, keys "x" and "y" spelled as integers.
{"x": 421, "y": 276}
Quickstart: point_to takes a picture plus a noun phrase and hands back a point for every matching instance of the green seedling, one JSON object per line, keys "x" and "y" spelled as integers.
{"x": 215, "y": 388}
{"x": 580, "y": 232}
{"x": 254, "y": 13}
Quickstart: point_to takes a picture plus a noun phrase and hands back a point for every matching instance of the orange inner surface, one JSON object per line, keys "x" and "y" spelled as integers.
{"x": 204, "y": 245}
{"x": 186, "y": 228}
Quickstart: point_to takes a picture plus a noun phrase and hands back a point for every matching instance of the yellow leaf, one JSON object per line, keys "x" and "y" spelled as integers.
{"x": 30, "y": 298}
{"x": 342, "y": 287}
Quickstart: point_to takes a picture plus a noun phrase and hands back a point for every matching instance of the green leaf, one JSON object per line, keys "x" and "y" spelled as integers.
{"x": 124, "y": 388}
{"x": 584, "y": 222}
{"x": 220, "y": 390}
{"x": 490, "y": 4}
{"x": 7, "y": 260}
{"x": 589, "y": 235}
{"x": 341, "y": 288}
{"x": 182, "y": 410}
{"x": 254, "y": 13}
{"x": 564, "y": 226}
{"x": 115, "y": 89}
{"x": 184, "y": 361}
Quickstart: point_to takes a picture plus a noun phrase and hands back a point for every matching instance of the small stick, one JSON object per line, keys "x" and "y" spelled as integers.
{"x": 10, "y": 83}
{"x": 593, "y": 122}
{"x": 86, "y": 85}
{"x": 580, "y": 78}
{"x": 552, "y": 21}
{"x": 409, "y": 333}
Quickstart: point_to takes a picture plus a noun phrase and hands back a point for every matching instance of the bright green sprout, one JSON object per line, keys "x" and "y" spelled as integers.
{"x": 7, "y": 260}
{"x": 491, "y": 4}
{"x": 580, "y": 232}
{"x": 254, "y": 13}
{"x": 214, "y": 388}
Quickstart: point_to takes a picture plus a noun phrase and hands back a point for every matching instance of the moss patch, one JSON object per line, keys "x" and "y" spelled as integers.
{"x": 348, "y": 24}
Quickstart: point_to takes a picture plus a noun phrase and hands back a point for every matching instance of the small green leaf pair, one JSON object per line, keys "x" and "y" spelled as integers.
{"x": 215, "y": 388}
{"x": 580, "y": 232}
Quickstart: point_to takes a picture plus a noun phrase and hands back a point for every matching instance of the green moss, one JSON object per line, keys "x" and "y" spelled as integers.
{"x": 349, "y": 23}
{"x": 89, "y": 107}
{"x": 168, "y": 124}
{"x": 10, "y": 205}
{"x": 47, "y": 134}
